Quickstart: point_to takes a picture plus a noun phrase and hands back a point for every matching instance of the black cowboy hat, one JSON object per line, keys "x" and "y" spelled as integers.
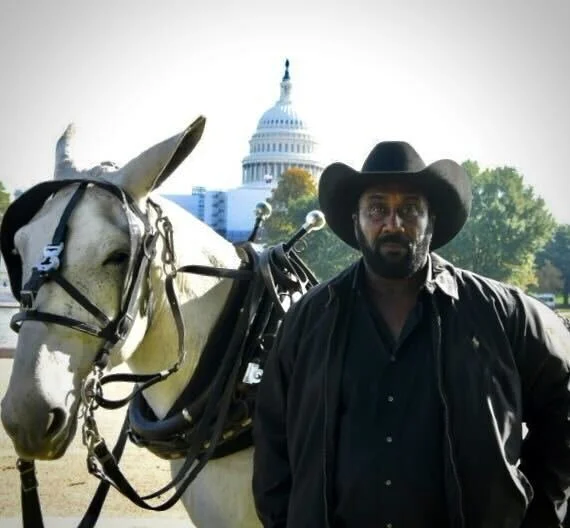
{"x": 445, "y": 184}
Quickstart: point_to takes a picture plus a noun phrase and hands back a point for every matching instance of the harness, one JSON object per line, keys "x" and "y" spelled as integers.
{"x": 213, "y": 416}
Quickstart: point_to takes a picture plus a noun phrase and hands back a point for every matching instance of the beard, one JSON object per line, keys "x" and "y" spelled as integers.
{"x": 394, "y": 256}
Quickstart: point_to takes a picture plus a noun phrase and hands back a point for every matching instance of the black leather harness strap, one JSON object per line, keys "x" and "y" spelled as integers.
{"x": 49, "y": 270}
{"x": 31, "y": 507}
{"x": 96, "y": 505}
{"x": 52, "y": 253}
{"x": 209, "y": 413}
{"x": 30, "y": 501}
{"x": 111, "y": 331}
{"x": 104, "y": 466}
{"x": 47, "y": 317}
{"x": 221, "y": 408}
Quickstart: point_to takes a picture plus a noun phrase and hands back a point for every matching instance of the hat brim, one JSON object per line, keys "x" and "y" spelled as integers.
{"x": 444, "y": 183}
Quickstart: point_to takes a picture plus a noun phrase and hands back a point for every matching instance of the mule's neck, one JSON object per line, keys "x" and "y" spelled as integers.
{"x": 201, "y": 301}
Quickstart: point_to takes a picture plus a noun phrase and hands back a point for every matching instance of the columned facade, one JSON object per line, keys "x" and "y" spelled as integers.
{"x": 282, "y": 141}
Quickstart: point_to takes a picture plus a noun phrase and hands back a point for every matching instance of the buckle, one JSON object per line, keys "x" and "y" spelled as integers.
{"x": 28, "y": 480}
{"x": 124, "y": 326}
{"x": 50, "y": 259}
{"x": 253, "y": 374}
{"x": 27, "y": 298}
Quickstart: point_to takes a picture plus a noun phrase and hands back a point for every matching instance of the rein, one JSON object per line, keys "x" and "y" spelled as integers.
{"x": 206, "y": 425}
{"x": 213, "y": 417}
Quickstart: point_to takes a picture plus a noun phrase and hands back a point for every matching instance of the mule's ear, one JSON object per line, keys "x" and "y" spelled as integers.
{"x": 150, "y": 169}
{"x": 64, "y": 165}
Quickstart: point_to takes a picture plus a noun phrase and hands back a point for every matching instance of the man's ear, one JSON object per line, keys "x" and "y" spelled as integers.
{"x": 431, "y": 223}
{"x": 355, "y": 219}
{"x": 355, "y": 223}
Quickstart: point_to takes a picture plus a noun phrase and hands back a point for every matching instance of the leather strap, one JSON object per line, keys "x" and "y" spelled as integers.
{"x": 96, "y": 505}
{"x": 31, "y": 508}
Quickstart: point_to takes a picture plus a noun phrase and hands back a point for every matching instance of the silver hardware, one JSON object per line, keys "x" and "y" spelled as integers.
{"x": 50, "y": 259}
{"x": 253, "y": 374}
{"x": 187, "y": 416}
{"x": 27, "y": 298}
{"x": 314, "y": 221}
{"x": 263, "y": 211}
{"x": 124, "y": 325}
{"x": 228, "y": 434}
{"x": 90, "y": 388}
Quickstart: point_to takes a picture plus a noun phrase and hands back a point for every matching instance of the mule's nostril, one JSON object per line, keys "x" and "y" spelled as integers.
{"x": 56, "y": 420}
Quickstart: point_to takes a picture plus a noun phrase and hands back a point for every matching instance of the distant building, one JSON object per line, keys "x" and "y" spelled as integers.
{"x": 281, "y": 141}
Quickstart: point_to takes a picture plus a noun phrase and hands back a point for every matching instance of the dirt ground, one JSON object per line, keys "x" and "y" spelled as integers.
{"x": 66, "y": 487}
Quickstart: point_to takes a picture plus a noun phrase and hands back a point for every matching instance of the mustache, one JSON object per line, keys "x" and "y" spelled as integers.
{"x": 394, "y": 238}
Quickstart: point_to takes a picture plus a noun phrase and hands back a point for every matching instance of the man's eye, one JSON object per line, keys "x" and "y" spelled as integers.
{"x": 409, "y": 210}
{"x": 377, "y": 211}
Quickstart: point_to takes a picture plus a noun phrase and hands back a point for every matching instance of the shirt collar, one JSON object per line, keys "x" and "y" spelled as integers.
{"x": 439, "y": 276}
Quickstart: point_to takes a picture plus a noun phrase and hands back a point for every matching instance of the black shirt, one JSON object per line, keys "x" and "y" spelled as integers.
{"x": 389, "y": 466}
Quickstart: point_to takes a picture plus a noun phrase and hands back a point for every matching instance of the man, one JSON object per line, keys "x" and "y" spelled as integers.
{"x": 396, "y": 392}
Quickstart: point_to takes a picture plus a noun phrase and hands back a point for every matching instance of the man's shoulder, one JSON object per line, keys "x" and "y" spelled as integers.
{"x": 321, "y": 294}
{"x": 471, "y": 284}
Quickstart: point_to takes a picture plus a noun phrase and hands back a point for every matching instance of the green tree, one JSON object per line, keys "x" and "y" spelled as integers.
{"x": 292, "y": 199}
{"x": 508, "y": 225}
{"x": 4, "y": 199}
{"x": 323, "y": 251}
{"x": 550, "y": 278}
{"x": 557, "y": 251}
{"x": 293, "y": 184}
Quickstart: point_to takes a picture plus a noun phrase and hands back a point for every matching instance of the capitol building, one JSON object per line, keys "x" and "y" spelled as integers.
{"x": 281, "y": 141}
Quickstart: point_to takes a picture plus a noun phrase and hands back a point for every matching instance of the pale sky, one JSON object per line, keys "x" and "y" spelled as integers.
{"x": 486, "y": 80}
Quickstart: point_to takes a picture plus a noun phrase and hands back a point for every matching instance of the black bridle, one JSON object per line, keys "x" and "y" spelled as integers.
{"x": 49, "y": 269}
{"x": 215, "y": 416}
{"x": 113, "y": 332}
{"x": 143, "y": 249}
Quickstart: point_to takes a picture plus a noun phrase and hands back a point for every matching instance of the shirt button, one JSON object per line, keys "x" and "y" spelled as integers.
{"x": 389, "y": 439}
{"x": 388, "y": 482}
{"x": 390, "y": 398}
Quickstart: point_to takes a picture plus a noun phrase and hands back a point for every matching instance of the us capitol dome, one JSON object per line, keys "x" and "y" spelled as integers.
{"x": 281, "y": 141}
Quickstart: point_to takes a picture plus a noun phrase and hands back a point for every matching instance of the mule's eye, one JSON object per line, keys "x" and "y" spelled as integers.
{"x": 117, "y": 258}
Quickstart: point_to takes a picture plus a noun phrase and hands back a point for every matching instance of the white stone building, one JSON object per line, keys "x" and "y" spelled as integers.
{"x": 281, "y": 141}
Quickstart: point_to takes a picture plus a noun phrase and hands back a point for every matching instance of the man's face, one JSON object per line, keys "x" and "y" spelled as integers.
{"x": 394, "y": 230}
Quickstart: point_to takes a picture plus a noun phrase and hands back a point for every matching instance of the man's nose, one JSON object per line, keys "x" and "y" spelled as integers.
{"x": 393, "y": 221}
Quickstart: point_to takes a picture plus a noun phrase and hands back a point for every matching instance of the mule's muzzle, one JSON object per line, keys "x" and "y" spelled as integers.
{"x": 37, "y": 435}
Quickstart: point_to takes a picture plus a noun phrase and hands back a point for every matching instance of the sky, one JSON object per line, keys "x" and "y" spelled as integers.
{"x": 485, "y": 80}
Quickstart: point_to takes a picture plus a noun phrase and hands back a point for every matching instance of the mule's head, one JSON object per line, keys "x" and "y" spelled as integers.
{"x": 101, "y": 237}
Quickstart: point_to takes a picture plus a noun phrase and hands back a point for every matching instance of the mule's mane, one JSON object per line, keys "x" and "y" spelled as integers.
{"x": 201, "y": 300}
{"x": 196, "y": 242}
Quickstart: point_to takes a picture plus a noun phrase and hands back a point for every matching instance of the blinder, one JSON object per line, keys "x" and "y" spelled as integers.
{"x": 142, "y": 238}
